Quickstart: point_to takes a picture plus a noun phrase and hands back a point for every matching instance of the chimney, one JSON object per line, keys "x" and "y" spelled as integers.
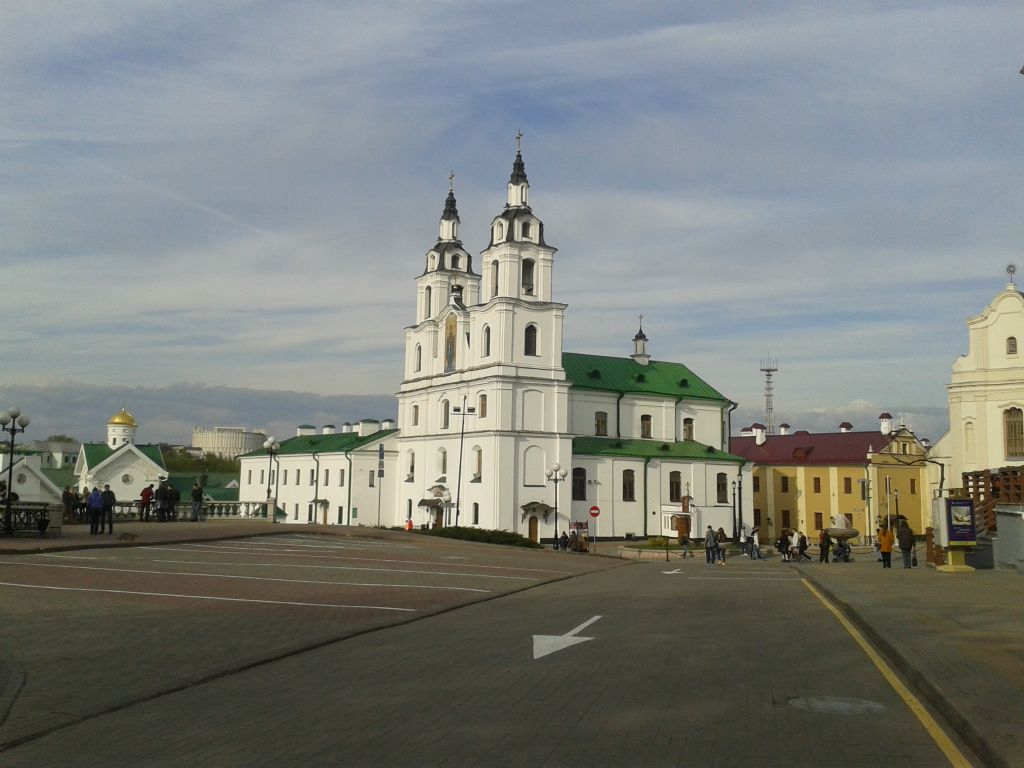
{"x": 304, "y": 430}
{"x": 760, "y": 433}
{"x": 328, "y": 429}
{"x": 346, "y": 428}
{"x": 368, "y": 427}
{"x": 387, "y": 424}
{"x": 846, "y": 427}
{"x": 783, "y": 428}
{"x": 747, "y": 432}
{"x": 885, "y": 423}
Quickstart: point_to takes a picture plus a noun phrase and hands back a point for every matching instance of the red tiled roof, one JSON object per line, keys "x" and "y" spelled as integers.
{"x": 823, "y": 449}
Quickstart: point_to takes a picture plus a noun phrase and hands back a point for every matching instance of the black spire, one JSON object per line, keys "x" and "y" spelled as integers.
{"x": 450, "y": 211}
{"x": 518, "y": 170}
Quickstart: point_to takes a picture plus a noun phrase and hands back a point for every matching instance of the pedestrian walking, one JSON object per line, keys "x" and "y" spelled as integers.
{"x": 782, "y": 545}
{"x": 802, "y": 547}
{"x": 94, "y": 505}
{"x": 794, "y": 546}
{"x": 67, "y": 499}
{"x": 173, "y": 497}
{"x": 710, "y": 546}
{"x": 684, "y": 542}
{"x": 107, "y": 499}
{"x": 721, "y": 540}
{"x": 162, "y": 497}
{"x": 905, "y": 537}
{"x": 824, "y": 545}
{"x": 886, "y": 539}
{"x": 563, "y": 541}
{"x": 755, "y": 545}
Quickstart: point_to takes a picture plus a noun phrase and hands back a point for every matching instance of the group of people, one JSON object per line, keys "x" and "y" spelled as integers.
{"x": 885, "y": 540}
{"x": 573, "y": 542}
{"x": 715, "y": 543}
{"x": 792, "y": 545}
{"x": 96, "y": 506}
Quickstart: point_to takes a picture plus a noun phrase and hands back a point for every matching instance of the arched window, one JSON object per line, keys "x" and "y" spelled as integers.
{"x": 494, "y": 279}
{"x": 445, "y": 413}
{"x": 1011, "y": 345}
{"x": 687, "y": 429}
{"x": 722, "y": 487}
{"x": 1013, "y": 431}
{"x": 499, "y": 232}
{"x": 411, "y": 472}
{"x": 528, "y": 265}
{"x": 530, "y": 341}
{"x": 486, "y": 349}
{"x": 481, "y": 407}
{"x": 455, "y": 261}
{"x": 526, "y": 229}
{"x": 426, "y": 302}
{"x": 579, "y": 484}
{"x": 600, "y": 423}
{"x": 645, "y": 425}
{"x": 478, "y": 463}
{"x": 417, "y": 361}
{"x": 969, "y": 441}
{"x": 415, "y": 415}
{"x": 675, "y": 486}
{"x": 442, "y": 461}
{"x": 628, "y": 485}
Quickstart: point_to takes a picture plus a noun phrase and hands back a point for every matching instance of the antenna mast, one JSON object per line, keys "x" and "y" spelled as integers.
{"x": 768, "y": 368}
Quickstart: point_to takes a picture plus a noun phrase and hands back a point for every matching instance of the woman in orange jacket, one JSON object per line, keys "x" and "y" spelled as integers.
{"x": 886, "y": 539}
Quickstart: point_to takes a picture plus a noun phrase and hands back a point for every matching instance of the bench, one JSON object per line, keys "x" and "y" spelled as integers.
{"x": 33, "y": 518}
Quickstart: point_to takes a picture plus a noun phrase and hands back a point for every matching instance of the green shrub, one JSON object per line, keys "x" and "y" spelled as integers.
{"x": 657, "y": 542}
{"x": 478, "y": 534}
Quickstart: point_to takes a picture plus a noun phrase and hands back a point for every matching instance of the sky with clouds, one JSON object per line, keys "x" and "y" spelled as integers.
{"x": 215, "y": 212}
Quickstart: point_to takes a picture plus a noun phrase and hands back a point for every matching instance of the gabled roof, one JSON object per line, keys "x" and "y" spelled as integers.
{"x": 336, "y": 443}
{"x": 97, "y": 453}
{"x": 623, "y": 374}
{"x": 824, "y": 449}
{"x": 684, "y": 449}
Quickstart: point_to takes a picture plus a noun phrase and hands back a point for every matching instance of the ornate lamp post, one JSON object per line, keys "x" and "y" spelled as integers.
{"x": 735, "y": 532}
{"x": 556, "y": 475}
{"x": 12, "y": 422}
{"x": 463, "y": 412}
{"x": 272, "y": 447}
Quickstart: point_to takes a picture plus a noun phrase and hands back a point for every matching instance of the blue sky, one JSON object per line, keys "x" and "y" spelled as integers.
{"x": 201, "y": 197}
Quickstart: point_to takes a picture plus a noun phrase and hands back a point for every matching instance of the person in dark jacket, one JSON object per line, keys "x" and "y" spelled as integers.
{"x": 107, "y": 499}
{"x": 197, "y": 501}
{"x": 905, "y": 538}
{"x": 162, "y": 497}
{"x": 173, "y": 497}
{"x": 94, "y": 504}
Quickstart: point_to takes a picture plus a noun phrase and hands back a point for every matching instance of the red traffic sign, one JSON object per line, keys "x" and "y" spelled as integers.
{"x": 595, "y": 511}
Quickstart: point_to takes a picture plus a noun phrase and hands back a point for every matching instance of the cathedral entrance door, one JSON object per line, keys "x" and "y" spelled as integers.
{"x": 533, "y": 530}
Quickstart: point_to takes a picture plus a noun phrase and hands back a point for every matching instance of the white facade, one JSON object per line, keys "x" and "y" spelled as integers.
{"x": 226, "y": 442}
{"x": 986, "y": 393}
{"x": 486, "y": 409}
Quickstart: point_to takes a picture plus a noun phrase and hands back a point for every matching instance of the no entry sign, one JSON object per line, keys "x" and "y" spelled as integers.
{"x": 595, "y": 511}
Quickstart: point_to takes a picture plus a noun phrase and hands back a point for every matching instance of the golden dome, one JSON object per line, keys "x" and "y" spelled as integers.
{"x": 122, "y": 418}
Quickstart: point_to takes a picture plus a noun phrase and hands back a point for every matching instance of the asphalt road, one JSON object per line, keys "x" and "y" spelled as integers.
{"x": 687, "y": 664}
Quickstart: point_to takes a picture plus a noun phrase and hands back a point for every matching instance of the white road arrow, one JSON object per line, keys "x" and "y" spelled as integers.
{"x": 545, "y": 644}
{"x": 677, "y": 570}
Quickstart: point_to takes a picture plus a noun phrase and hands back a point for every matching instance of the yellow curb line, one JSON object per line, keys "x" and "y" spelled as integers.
{"x": 938, "y": 735}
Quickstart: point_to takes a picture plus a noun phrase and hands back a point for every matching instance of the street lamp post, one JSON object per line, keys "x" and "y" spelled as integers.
{"x": 735, "y": 534}
{"x": 272, "y": 447}
{"x": 556, "y": 475}
{"x": 739, "y": 502}
{"x": 12, "y": 422}
{"x": 897, "y": 495}
{"x": 463, "y": 412}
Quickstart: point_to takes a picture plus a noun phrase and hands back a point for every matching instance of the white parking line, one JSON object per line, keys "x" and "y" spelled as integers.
{"x": 207, "y": 597}
{"x": 251, "y": 578}
{"x": 370, "y": 559}
{"x": 356, "y": 568}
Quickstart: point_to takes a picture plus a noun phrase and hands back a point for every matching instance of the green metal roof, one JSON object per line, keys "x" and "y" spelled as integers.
{"x": 623, "y": 374}
{"x": 61, "y": 477}
{"x": 97, "y": 453}
{"x": 336, "y": 443}
{"x": 654, "y": 449}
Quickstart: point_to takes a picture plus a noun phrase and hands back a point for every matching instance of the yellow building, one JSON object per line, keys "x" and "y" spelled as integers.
{"x": 807, "y": 481}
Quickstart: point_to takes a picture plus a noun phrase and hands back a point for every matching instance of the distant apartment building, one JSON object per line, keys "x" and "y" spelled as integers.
{"x": 226, "y": 442}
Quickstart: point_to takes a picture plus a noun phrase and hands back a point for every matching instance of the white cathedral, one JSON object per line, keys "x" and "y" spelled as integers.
{"x": 493, "y": 416}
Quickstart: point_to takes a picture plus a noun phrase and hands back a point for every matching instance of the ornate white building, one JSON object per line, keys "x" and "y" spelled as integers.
{"x": 490, "y": 404}
{"x": 226, "y": 442}
{"x": 986, "y": 393}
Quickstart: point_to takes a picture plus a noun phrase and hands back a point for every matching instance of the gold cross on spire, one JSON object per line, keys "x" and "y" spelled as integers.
{"x": 451, "y": 181}
{"x": 519, "y": 138}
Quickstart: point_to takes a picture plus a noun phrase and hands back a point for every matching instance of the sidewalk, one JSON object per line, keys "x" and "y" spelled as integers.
{"x": 957, "y": 638}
